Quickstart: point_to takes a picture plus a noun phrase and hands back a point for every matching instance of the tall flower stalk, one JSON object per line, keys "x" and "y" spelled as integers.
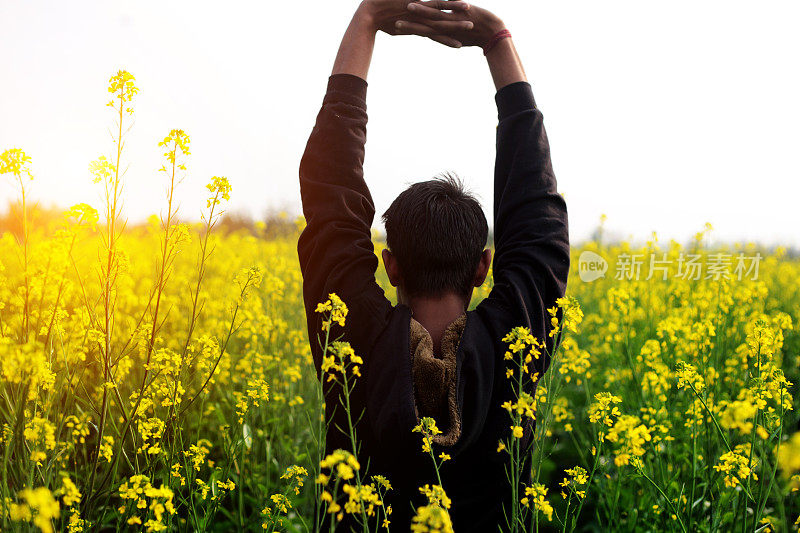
{"x": 341, "y": 366}
{"x": 109, "y": 173}
{"x": 15, "y": 162}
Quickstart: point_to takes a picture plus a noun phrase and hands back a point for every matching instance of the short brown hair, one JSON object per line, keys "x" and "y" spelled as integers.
{"x": 437, "y": 231}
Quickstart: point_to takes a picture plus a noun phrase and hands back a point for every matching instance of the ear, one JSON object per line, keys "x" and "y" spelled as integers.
{"x": 391, "y": 266}
{"x": 483, "y": 268}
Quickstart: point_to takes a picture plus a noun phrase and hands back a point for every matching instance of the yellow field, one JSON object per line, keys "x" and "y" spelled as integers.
{"x": 160, "y": 378}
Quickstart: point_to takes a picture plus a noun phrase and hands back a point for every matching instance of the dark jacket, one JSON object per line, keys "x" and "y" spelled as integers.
{"x": 530, "y": 266}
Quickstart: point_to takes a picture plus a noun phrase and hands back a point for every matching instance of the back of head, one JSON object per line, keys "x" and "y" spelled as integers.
{"x": 436, "y": 231}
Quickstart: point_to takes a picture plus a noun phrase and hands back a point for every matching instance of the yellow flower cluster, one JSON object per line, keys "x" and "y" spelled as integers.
{"x": 604, "y": 411}
{"x": 333, "y": 310}
{"x": 297, "y": 474}
{"x": 576, "y": 478}
{"x": 688, "y": 377}
{"x": 431, "y": 519}
{"x": 562, "y": 414}
{"x": 197, "y": 453}
{"x": 122, "y": 86}
{"x": 341, "y": 464}
{"x": 25, "y": 363}
{"x": 257, "y": 392}
{"x": 40, "y": 433}
{"x": 427, "y": 426}
{"x": 70, "y": 495}
{"x": 735, "y": 466}
{"x": 107, "y": 448}
{"x": 362, "y": 499}
{"x": 535, "y": 497}
{"x": 436, "y": 495}
{"x": 138, "y": 490}
{"x": 16, "y": 162}
{"x": 630, "y": 437}
{"x": 525, "y": 406}
{"x": 37, "y": 506}
{"x": 525, "y": 346}
{"x": 788, "y": 456}
{"x": 220, "y": 188}
{"x": 575, "y": 362}
{"x": 281, "y": 503}
{"x": 341, "y": 357}
{"x": 572, "y": 315}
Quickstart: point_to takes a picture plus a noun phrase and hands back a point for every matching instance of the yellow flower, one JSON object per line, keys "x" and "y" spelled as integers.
{"x": 297, "y": 474}
{"x": 427, "y": 425}
{"x": 340, "y": 462}
{"x": 436, "y": 495}
{"x": 734, "y": 466}
{"x": 38, "y": 506}
{"x": 281, "y": 503}
{"x": 535, "y": 497}
{"x": 431, "y": 519}
{"x": 107, "y": 448}
{"x": 15, "y": 161}
{"x": 220, "y": 189}
{"x": 70, "y": 495}
{"x": 788, "y": 455}
{"x": 688, "y": 377}
{"x": 334, "y": 309}
{"x": 382, "y": 481}
{"x": 630, "y": 437}
{"x": 575, "y": 482}
{"x": 604, "y": 411}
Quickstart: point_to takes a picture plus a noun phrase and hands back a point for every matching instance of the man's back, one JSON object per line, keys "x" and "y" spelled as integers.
{"x": 530, "y": 269}
{"x": 475, "y": 477}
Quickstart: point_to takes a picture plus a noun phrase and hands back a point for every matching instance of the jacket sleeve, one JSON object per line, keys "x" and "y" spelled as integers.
{"x": 531, "y": 260}
{"x": 335, "y": 248}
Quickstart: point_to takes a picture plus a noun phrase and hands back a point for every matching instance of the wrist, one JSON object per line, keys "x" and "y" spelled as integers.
{"x": 491, "y": 28}
{"x": 364, "y": 17}
{"x": 496, "y": 38}
{"x": 504, "y": 64}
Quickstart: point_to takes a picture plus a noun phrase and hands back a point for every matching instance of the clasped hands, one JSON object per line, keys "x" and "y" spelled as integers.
{"x": 449, "y": 22}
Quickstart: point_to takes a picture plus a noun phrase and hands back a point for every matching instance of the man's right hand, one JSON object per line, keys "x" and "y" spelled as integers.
{"x": 436, "y": 23}
{"x": 504, "y": 63}
{"x": 427, "y": 16}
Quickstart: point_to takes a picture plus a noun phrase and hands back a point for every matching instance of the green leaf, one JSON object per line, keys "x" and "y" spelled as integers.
{"x": 247, "y": 435}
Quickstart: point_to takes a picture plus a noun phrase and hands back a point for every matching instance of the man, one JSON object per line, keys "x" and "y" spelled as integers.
{"x": 428, "y": 356}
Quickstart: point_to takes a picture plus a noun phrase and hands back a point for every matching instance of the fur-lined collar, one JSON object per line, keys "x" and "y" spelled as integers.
{"x": 435, "y": 378}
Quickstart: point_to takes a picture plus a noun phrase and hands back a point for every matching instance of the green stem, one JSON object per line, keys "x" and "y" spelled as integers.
{"x": 669, "y": 502}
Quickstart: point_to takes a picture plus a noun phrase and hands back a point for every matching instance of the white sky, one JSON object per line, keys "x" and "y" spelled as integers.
{"x": 663, "y": 115}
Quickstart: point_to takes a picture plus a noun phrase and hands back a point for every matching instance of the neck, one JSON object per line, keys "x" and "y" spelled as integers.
{"x": 436, "y": 313}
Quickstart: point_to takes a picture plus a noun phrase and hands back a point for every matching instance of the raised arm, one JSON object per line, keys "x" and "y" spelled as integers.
{"x": 531, "y": 259}
{"x": 335, "y": 248}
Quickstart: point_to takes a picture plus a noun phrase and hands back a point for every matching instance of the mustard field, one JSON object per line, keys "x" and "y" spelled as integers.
{"x": 159, "y": 377}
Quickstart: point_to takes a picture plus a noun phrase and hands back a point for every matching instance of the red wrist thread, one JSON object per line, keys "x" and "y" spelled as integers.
{"x": 496, "y": 38}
